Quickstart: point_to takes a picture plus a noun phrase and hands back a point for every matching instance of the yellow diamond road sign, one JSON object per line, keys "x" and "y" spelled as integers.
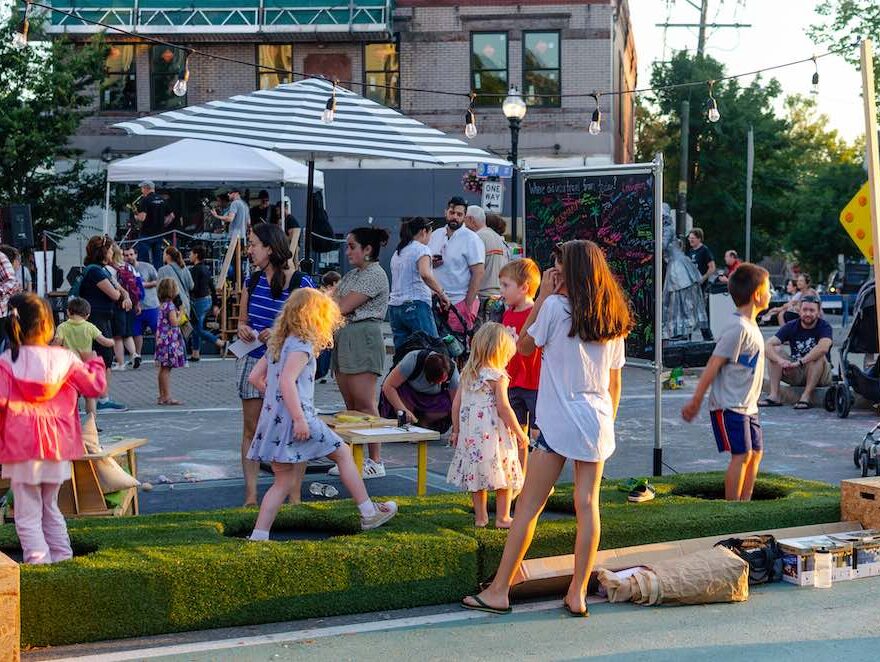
{"x": 856, "y": 220}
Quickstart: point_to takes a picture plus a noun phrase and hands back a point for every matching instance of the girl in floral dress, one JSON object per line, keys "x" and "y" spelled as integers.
{"x": 484, "y": 431}
{"x": 170, "y": 348}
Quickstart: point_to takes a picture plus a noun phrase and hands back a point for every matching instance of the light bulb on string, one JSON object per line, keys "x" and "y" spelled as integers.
{"x": 712, "y": 113}
{"x": 596, "y": 120}
{"x": 179, "y": 88}
{"x": 20, "y": 36}
{"x": 470, "y": 120}
{"x": 329, "y": 113}
{"x": 815, "y": 89}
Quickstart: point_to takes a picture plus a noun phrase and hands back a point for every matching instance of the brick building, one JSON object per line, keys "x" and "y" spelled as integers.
{"x": 543, "y": 47}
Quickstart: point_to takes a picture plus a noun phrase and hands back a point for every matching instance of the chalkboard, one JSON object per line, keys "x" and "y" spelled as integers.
{"x": 615, "y": 210}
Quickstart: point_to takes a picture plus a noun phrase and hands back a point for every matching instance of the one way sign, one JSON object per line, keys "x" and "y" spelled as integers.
{"x": 493, "y": 194}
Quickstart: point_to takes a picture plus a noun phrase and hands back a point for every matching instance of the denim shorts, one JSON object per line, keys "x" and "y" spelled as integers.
{"x": 541, "y": 444}
{"x": 523, "y": 402}
{"x": 409, "y": 317}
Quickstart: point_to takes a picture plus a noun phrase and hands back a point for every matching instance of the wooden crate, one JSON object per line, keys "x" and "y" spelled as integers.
{"x": 10, "y": 624}
{"x": 860, "y": 501}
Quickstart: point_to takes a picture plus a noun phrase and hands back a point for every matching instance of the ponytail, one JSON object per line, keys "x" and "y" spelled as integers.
{"x": 29, "y": 322}
{"x": 409, "y": 229}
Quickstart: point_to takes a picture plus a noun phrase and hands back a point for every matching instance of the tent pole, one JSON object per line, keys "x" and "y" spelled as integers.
{"x": 307, "y": 265}
{"x": 107, "y": 208}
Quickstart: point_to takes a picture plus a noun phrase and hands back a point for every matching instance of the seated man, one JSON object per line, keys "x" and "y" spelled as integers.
{"x": 809, "y": 365}
{"x": 422, "y": 386}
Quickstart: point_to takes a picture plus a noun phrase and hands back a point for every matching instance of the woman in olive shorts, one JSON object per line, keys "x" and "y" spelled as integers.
{"x": 359, "y": 351}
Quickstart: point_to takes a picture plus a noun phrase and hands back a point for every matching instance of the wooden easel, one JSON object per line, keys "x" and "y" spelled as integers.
{"x": 230, "y": 293}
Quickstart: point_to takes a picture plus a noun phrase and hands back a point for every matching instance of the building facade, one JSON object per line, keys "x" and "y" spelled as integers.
{"x": 383, "y": 49}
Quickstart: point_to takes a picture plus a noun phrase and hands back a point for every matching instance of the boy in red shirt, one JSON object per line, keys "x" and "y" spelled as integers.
{"x": 519, "y": 282}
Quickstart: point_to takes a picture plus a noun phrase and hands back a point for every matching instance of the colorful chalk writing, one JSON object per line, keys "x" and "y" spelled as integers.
{"x": 616, "y": 212}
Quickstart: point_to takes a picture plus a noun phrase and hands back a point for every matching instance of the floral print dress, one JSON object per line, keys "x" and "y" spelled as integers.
{"x": 486, "y": 454}
{"x": 170, "y": 347}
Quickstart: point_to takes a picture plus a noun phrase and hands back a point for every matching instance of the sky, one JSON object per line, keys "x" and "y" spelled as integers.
{"x": 778, "y": 35}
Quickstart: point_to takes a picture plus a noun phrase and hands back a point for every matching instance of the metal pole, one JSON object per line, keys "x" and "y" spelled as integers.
{"x": 701, "y": 39}
{"x": 307, "y": 265}
{"x": 107, "y": 208}
{"x": 681, "y": 211}
{"x": 514, "y": 178}
{"x": 658, "y": 314}
{"x": 750, "y": 169}
{"x": 871, "y": 147}
{"x": 46, "y": 279}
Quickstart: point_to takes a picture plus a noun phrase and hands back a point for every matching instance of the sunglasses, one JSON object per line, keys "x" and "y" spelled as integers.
{"x": 556, "y": 253}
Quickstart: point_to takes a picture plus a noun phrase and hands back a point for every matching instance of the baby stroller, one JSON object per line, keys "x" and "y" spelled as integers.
{"x": 865, "y": 453}
{"x": 861, "y": 339}
{"x": 450, "y": 337}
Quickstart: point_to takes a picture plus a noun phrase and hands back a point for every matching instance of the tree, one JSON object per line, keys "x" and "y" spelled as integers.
{"x": 829, "y": 175}
{"x": 45, "y": 92}
{"x": 717, "y": 159}
{"x": 844, "y": 23}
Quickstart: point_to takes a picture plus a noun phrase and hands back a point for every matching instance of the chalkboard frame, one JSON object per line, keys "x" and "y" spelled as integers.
{"x": 655, "y": 169}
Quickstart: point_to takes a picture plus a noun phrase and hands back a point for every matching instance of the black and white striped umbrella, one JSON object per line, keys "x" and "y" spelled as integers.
{"x": 287, "y": 119}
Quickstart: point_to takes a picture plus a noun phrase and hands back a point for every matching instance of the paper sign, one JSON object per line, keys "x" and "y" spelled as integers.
{"x": 380, "y": 432}
{"x": 240, "y": 348}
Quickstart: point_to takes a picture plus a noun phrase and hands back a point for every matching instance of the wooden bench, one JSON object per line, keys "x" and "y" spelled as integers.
{"x": 82, "y": 494}
{"x": 385, "y": 431}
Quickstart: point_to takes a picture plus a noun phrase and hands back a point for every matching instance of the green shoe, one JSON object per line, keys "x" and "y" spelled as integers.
{"x": 631, "y": 484}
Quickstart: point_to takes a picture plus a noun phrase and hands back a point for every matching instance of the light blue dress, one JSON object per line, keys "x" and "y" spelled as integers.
{"x": 273, "y": 440}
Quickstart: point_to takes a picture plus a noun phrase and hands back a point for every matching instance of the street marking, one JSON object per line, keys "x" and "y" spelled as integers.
{"x": 313, "y": 633}
{"x": 175, "y": 410}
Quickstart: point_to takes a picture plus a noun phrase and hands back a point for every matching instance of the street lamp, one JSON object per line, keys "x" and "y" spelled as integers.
{"x": 514, "y": 109}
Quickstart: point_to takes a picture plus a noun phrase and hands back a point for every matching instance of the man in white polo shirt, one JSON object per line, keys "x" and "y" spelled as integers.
{"x": 458, "y": 256}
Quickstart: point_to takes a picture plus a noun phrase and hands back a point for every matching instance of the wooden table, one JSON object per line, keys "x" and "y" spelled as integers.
{"x": 385, "y": 431}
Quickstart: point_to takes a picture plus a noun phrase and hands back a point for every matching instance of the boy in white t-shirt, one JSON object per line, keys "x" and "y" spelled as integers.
{"x": 736, "y": 374}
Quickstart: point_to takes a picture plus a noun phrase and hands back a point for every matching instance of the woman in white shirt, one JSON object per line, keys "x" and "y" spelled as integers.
{"x": 412, "y": 282}
{"x": 579, "y": 321}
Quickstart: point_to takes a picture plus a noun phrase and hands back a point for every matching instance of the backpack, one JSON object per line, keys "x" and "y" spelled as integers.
{"x": 419, "y": 340}
{"x": 761, "y": 553}
{"x": 129, "y": 283}
{"x": 77, "y": 284}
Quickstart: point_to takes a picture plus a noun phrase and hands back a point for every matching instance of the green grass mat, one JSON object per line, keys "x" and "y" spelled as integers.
{"x": 187, "y": 571}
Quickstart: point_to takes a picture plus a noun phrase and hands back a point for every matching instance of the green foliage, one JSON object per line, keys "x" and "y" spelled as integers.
{"x": 842, "y": 24}
{"x": 804, "y": 173}
{"x": 187, "y": 571}
{"x": 46, "y": 90}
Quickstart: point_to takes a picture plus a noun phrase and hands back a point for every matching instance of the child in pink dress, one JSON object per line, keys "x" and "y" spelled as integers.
{"x": 39, "y": 425}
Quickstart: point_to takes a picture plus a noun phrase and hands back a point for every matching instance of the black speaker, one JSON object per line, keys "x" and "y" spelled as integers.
{"x": 18, "y": 229}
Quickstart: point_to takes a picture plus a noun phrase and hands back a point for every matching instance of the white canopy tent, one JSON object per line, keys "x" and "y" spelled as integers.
{"x": 201, "y": 162}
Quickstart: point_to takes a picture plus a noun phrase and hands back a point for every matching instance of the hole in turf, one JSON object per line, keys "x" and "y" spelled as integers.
{"x": 15, "y": 553}
{"x": 715, "y": 491}
{"x": 284, "y": 535}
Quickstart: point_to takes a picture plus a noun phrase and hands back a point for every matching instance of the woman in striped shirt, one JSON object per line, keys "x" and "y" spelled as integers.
{"x": 262, "y": 299}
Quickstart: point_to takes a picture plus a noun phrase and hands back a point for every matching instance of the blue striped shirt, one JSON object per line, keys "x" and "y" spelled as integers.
{"x": 263, "y": 309}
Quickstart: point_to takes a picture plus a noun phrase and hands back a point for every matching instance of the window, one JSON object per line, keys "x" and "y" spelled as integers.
{"x": 489, "y": 67}
{"x": 541, "y": 68}
{"x": 277, "y": 56}
{"x": 382, "y": 74}
{"x": 165, "y": 64}
{"x": 119, "y": 89}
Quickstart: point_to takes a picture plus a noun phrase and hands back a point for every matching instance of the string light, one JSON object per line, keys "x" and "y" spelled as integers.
{"x": 182, "y": 77}
{"x": 329, "y": 113}
{"x": 815, "y": 89}
{"x": 20, "y": 36}
{"x": 470, "y": 119}
{"x": 712, "y": 113}
{"x": 596, "y": 120}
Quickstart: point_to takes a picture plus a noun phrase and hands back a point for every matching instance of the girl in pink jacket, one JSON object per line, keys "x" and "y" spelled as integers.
{"x": 39, "y": 425}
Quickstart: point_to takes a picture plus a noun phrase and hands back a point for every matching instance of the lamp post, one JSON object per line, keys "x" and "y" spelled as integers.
{"x": 514, "y": 109}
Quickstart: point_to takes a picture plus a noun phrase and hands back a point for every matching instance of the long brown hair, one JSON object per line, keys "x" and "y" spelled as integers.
{"x": 29, "y": 322}
{"x": 599, "y": 309}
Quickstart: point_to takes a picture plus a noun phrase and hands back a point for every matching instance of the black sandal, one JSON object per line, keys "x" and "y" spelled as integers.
{"x": 482, "y": 606}
{"x": 767, "y": 402}
{"x": 802, "y": 404}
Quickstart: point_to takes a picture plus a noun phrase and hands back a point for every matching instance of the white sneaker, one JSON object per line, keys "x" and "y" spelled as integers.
{"x": 384, "y": 512}
{"x": 373, "y": 469}
{"x": 117, "y": 367}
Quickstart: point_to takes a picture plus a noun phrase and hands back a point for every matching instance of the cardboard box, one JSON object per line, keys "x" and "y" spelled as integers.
{"x": 798, "y": 558}
{"x": 866, "y": 552}
{"x": 10, "y": 624}
{"x": 860, "y": 501}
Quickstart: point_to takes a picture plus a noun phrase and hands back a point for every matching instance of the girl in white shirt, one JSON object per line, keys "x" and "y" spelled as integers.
{"x": 579, "y": 321}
